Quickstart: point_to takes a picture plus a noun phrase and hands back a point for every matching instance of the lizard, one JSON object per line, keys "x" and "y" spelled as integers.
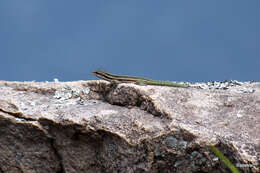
{"x": 113, "y": 78}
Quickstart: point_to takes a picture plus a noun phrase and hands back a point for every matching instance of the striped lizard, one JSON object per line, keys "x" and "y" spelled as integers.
{"x": 113, "y": 78}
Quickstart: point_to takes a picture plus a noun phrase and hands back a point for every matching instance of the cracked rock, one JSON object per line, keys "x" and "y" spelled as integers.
{"x": 94, "y": 126}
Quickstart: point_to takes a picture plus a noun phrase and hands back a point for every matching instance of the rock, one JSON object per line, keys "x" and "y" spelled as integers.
{"x": 94, "y": 126}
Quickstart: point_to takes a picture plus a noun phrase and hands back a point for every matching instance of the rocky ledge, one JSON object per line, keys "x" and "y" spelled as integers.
{"x": 94, "y": 126}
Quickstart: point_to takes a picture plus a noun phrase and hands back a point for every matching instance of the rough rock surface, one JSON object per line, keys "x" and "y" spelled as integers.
{"x": 93, "y": 126}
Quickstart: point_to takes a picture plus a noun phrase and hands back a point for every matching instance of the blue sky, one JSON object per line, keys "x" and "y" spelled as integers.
{"x": 167, "y": 40}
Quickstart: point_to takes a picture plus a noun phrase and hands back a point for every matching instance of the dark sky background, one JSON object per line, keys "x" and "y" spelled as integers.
{"x": 168, "y": 40}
